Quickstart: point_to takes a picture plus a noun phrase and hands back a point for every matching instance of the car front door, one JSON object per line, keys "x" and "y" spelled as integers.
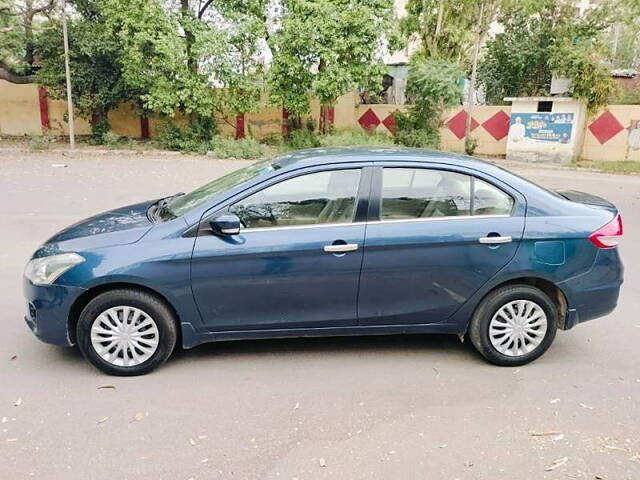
{"x": 435, "y": 237}
{"x": 296, "y": 262}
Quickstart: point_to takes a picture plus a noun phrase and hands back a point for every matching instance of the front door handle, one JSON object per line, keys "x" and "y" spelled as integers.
{"x": 495, "y": 240}
{"x": 341, "y": 248}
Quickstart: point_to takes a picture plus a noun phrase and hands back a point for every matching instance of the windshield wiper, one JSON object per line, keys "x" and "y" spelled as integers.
{"x": 159, "y": 211}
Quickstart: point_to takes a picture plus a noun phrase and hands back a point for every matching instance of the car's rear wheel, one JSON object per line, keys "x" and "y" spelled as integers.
{"x": 514, "y": 325}
{"x": 126, "y": 332}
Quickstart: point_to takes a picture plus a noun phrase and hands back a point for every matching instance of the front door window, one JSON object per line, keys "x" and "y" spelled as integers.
{"x": 311, "y": 199}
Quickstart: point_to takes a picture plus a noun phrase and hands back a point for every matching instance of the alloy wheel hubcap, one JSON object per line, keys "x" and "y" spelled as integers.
{"x": 124, "y": 336}
{"x": 518, "y": 328}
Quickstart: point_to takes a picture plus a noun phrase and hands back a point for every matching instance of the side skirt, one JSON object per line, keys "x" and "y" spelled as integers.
{"x": 191, "y": 338}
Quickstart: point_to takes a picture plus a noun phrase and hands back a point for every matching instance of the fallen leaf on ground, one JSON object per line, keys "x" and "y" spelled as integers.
{"x": 588, "y": 407}
{"x": 18, "y": 402}
{"x": 137, "y": 417}
{"x": 322, "y": 462}
{"x": 614, "y": 447}
{"x": 102, "y": 420}
{"x": 535, "y": 433}
{"x": 558, "y": 462}
{"x": 104, "y": 387}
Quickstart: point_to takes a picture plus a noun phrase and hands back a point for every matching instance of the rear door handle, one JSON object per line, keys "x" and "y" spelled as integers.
{"x": 341, "y": 248}
{"x": 495, "y": 240}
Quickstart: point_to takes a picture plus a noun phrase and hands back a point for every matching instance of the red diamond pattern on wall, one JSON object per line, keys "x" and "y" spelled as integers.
{"x": 497, "y": 125}
{"x": 457, "y": 124}
{"x": 369, "y": 120}
{"x": 389, "y": 122}
{"x": 605, "y": 127}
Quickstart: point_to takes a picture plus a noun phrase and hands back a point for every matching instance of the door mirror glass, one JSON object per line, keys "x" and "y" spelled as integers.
{"x": 225, "y": 224}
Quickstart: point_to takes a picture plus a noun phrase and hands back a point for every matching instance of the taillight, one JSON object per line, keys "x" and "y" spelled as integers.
{"x": 608, "y": 236}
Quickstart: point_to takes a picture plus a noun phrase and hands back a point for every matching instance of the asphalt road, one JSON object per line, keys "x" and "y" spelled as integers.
{"x": 421, "y": 407}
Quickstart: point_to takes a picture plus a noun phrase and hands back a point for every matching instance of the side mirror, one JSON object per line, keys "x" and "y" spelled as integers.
{"x": 225, "y": 224}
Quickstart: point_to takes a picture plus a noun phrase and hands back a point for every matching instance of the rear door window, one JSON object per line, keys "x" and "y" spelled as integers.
{"x": 409, "y": 193}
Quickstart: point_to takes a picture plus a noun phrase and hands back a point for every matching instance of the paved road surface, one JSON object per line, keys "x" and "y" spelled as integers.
{"x": 422, "y": 407}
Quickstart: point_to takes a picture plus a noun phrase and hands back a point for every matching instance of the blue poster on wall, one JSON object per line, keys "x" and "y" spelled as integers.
{"x": 541, "y": 127}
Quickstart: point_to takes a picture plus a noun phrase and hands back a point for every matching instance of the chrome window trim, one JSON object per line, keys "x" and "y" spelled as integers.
{"x": 373, "y": 222}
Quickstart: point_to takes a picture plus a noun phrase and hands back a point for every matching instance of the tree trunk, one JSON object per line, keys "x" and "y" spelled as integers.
{"x": 10, "y": 77}
{"x": 438, "y": 27}
{"x": 185, "y": 12}
{"x": 468, "y": 143}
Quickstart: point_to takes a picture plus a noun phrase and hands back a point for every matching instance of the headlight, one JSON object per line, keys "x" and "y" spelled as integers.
{"x": 45, "y": 270}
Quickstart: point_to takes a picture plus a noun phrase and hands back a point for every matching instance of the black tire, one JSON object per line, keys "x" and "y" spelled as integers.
{"x": 154, "y": 307}
{"x": 479, "y": 328}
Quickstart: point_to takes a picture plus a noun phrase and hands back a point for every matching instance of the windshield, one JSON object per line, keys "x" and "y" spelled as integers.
{"x": 184, "y": 203}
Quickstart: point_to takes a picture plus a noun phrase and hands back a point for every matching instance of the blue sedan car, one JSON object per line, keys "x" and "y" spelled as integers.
{"x": 331, "y": 242}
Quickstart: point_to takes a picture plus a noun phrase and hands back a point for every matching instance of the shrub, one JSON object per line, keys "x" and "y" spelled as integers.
{"x": 197, "y": 136}
{"x": 433, "y": 87}
{"x": 40, "y": 142}
{"x": 302, "y": 138}
{"x": 355, "y": 137}
{"x": 245, "y": 148}
{"x": 272, "y": 139}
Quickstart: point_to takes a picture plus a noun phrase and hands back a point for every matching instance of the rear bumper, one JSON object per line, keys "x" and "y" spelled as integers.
{"x": 48, "y": 310}
{"x": 595, "y": 293}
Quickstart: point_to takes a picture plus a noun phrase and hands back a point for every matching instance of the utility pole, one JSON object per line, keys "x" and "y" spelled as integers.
{"x": 471, "y": 91}
{"x": 67, "y": 71}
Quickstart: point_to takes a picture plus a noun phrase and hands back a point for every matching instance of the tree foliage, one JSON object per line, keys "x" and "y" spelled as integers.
{"x": 546, "y": 39}
{"x": 97, "y": 82}
{"x": 443, "y": 28}
{"x": 432, "y": 86}
{"x": 328, "y": 47}
{"x": 20, "y": 22}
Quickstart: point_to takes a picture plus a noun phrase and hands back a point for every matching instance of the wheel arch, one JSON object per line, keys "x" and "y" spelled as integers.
{"x": 555, "y": 294}
{"x": 93, "y": 292}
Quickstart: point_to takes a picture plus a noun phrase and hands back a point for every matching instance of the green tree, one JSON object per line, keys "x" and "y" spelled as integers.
{"x": 443, "y": 28}
{"x": 546, "y": 38}
{"x": 432, "y": 86}
{"x": 96, "y": 71}
{"x": 328, "y": 47}
{"x": 20, "y": 22}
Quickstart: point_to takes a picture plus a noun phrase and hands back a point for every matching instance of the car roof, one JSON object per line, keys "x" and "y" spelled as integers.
{"x": 332, "y": 155}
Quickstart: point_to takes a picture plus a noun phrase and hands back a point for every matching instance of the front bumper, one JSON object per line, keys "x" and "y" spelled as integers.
{"x": 48, "y": 308}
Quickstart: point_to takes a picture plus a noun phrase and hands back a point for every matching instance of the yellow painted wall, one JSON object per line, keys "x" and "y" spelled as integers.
{"x": 20, "y": 115}
{"x": 57, "y": 123}
{"x": 487, "y": 145}
{"x": 19, "y": 109}
{"x": 616, "y": 148}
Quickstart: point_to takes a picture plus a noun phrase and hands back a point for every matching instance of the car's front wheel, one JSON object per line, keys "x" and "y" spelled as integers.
{"x": 514, "y": 325}
{"x": 126, "y": 332}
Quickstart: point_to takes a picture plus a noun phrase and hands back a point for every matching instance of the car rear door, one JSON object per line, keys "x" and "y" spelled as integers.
{"x": 435, "y": 235}
{"x": 296, "y": 262}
